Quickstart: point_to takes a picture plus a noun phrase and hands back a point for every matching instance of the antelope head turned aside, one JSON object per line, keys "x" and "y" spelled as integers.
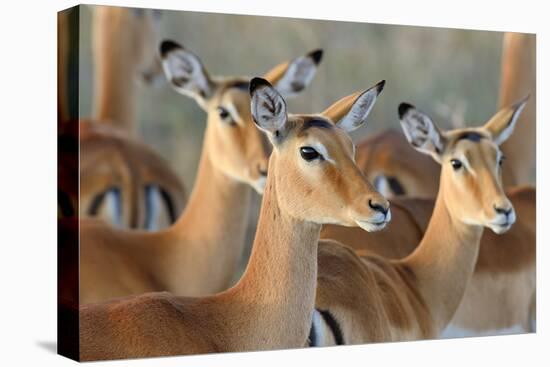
{"x": 313, "y": 149}
{"x": 232, "y": 142}
{"x": 145, "y": 27}
{"x": 471, "y": 163}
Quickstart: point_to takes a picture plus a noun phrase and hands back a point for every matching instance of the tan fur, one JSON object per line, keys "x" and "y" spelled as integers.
{"x": 271, "y": 306}
{"x": 200, "y": 253}
{"x": 508, "y": 261}
{"x": 376, "y": 299}
{"x": 387, "y": 153}
{"x": 125, "y": 50}
{"x": 109, "y": 158}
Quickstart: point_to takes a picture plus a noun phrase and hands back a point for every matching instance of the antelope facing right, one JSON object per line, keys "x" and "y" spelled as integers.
{"x": 373, "y": 299}
{"x": 312, "y": 180}
{"x": 201, "y": 252}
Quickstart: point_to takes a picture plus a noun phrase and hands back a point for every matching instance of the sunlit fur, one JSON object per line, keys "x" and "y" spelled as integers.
{"x": 200, "y": 254}
{"x": 336, "y": 199}
{"x": 271, "y": 306}
{"x": 236, "y": 147}
{"x": 416, "y": 297}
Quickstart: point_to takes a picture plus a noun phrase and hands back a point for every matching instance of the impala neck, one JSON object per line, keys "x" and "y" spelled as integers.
{"x": 114, "y": 71}
{"x": 518, "y": 79}
{"x": 444, "y": 262}
{"x": 278, "y": 287}
{"x": 207, "y": 242}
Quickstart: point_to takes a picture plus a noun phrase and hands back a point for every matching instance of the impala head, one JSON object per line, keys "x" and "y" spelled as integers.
{"x": 471, "y": 163}
{"x": 313, "y": 158}
{"x": 144, "y": 30}
{"x": 233, "y": 143}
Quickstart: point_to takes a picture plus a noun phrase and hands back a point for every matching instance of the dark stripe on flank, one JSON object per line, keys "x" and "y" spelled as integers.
{"x": 334, "y": 326}
{"x": 170, "y": 206}
{"x": 96, "y": 203}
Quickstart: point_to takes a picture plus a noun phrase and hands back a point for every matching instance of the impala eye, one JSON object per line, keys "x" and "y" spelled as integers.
{"x": 225, "y": 115}
{"x": 456, "y": 164}
{"x": 309, "y": 154}
{"x": 501, "y": 160}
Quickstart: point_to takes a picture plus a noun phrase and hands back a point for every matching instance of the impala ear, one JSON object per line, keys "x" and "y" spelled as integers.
{"x": 290, "y": 78}
{"x": 185, "y": 72}
{"x": 421, "y": 132}
{"x": 268, "y": 109}
{"x": 351, "y": 112}
{"x": 502, "y": 124}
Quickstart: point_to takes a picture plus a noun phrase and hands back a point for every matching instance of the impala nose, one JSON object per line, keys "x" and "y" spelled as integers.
{"x": 506, "y": 211}
{"x": 379, "y": 207}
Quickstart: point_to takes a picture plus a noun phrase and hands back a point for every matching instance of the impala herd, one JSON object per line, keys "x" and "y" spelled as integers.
{"x": 332, "y": 262}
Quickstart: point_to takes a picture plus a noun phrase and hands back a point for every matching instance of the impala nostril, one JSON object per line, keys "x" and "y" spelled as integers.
{"x": 378, "y": 207}
{"x": 503, "y": 210}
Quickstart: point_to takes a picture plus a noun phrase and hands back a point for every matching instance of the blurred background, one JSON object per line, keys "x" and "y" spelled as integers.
{"x": 451, "y": 74}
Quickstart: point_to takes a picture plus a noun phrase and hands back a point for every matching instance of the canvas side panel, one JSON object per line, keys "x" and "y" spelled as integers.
{"x": 67, "y": 183}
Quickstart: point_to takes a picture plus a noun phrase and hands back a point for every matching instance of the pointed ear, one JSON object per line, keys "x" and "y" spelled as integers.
{"x": 351, "y": 112}
{"x": 185, "y": 72}
{"x": 290, "y": 78}
{"x": 421, "y": 132}
{"x": 502, "y": 124}
{"x": 268, "y": 109}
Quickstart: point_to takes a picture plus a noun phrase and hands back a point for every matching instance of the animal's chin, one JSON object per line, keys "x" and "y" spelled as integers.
{"x": 259, "y": 185}
{"x": 500, "y": 228}
{"x": 371, "y": 226}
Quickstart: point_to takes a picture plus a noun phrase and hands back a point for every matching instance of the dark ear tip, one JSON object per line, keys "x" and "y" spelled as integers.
{"x": 168, "y": 45}
{"x": 316, "y": 55}
{"x": 380, "y": 86}
{"x": 257, "y": 82}
{"x": 403, "y": 109}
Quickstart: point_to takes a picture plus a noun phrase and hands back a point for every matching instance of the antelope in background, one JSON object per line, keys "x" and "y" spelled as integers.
{"x": 200, "y": 254}
{"x": 396, "y": 169}
{"x": 501, "y": 295}
{"x": 312, "y": 180}
{"x": 374, "y": 299}
{"x": 125, "y": 45}
{"x": 123, "y": 180}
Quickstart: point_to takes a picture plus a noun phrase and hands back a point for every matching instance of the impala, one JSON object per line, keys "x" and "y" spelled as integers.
{"x": 373, "y": 299}
{"x": 122, "y": 180}
{"x": 500, "y": 298}
{"x": 200, "y": 253}
{"x": 396, "y": 169}
{"x": 312, "y": 180}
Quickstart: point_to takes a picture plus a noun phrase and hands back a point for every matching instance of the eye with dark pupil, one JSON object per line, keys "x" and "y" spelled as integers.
{"x": 224, "y": 114}
{"x": 309, "y": 154}
{"x": 456, "y": 164}
{"x": 501, "y": 160}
